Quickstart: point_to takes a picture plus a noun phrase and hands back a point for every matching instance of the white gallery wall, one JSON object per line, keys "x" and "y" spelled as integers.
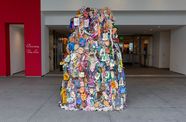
{"x": 161, "y": 49}
{"x": 178, "y": 50}
{"x": 17, "y": 56}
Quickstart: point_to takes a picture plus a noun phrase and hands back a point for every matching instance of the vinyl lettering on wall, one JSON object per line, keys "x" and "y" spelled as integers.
{"x": 32, "y": 49}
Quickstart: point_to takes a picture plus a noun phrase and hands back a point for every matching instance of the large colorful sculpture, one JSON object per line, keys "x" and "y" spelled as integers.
{"x": 93, "y": 78}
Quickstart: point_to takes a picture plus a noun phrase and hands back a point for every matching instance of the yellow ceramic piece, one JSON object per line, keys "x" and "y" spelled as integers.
{"x": 80, "y": 50}
{"x": 81, "y": 90}
{"x": 63, "y": 96}
{"x": 107, "y": 42}
{"x": 113, "y": 84}
{"x": 84, "y": 96}
{"x": 96, "y": 105}
{"x": 106, "y": 103}
{"x": 66, "y": 76}
{"x": 62, "y": 63}
{"x": 121, "y": 63}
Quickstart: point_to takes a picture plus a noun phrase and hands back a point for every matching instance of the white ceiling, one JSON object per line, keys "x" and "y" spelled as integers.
{"x": 125, "y": 29}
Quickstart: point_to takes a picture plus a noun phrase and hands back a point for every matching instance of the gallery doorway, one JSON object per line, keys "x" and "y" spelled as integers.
{"x": 17, "y": 50}
{"x": 58, "y": 37}
{"x": 136, "y": 50}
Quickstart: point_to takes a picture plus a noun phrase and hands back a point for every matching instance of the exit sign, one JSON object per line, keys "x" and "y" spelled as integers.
{"x": 121, "y": 37}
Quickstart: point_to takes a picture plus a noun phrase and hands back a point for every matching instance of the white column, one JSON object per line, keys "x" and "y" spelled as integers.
{"x": 164, "y": 53}
{"x": 44, "y": 46}
{"x": 155, "y": 51}
{"x": 178, "y": 50}
{"x": 150, "y": 52}
{"x": 161, "y": 49}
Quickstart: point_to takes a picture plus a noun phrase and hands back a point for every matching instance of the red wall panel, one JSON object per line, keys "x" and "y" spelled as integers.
{"x": 26, "y": 12}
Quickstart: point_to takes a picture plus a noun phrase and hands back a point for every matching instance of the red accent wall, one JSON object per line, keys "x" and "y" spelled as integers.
{"x": 25, "y": 12}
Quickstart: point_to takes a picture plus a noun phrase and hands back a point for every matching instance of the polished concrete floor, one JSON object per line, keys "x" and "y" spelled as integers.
{"x": 149, "y": 71}
{"x": 36, "y": 99}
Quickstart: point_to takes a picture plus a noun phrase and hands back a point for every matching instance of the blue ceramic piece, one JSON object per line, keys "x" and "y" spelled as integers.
{"x": 77, "y": 83}
{"x": 71, "y": 46}
{"x": 122, "y": 89}
{"x": 79, "y": 101}
{"x": 118, "y": 102}
{"x": 123, "y": 75}
{"x": 82, "y": 42}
